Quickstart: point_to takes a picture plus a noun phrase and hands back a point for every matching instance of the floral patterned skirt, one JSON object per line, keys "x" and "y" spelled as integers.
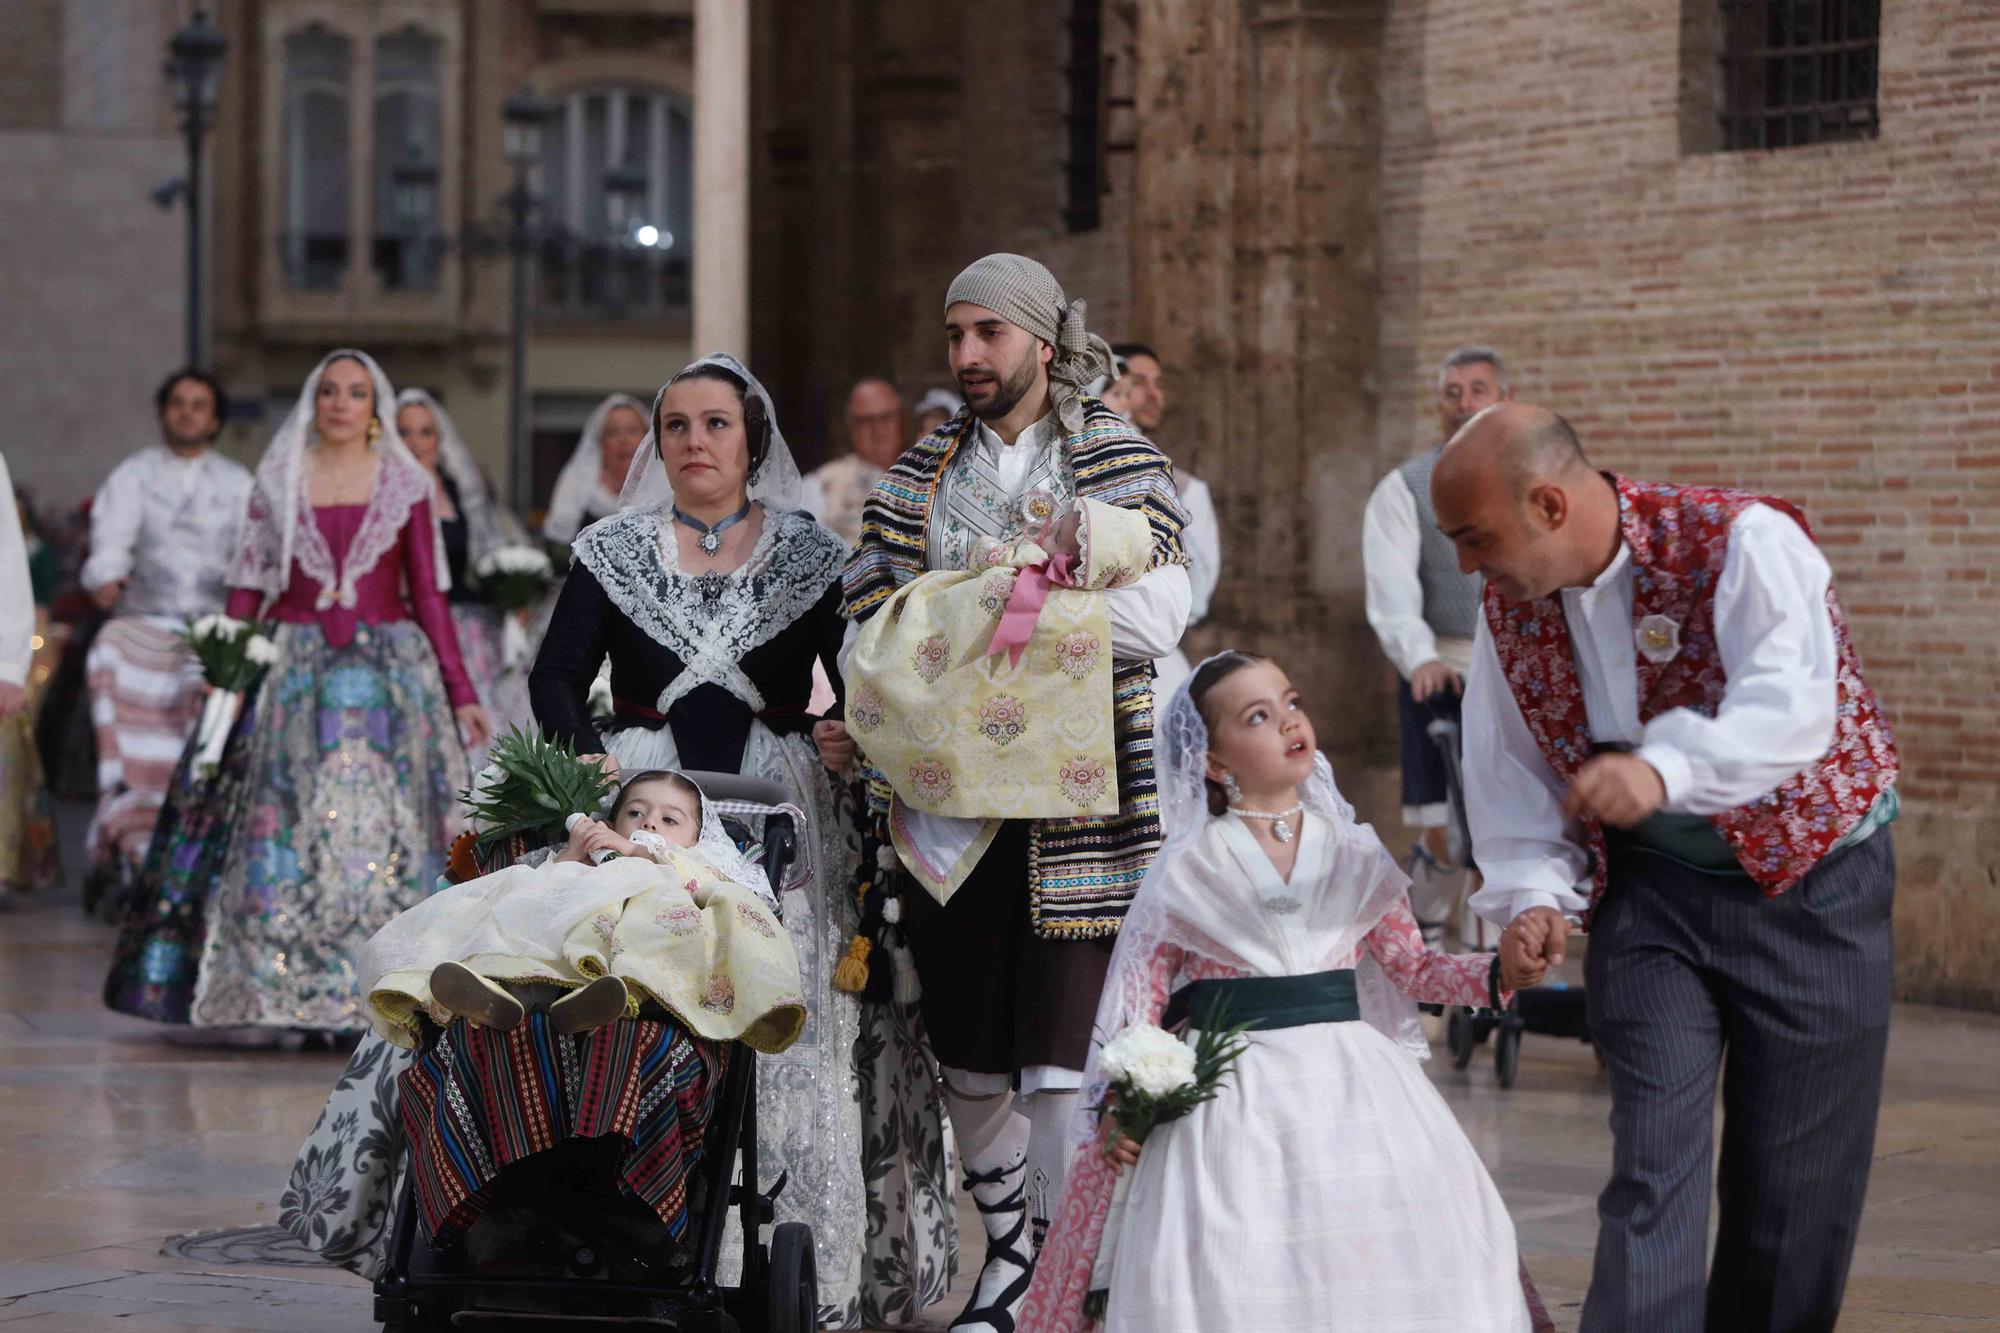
{"x": 502, "y": 686}
{"x": 333, "y": 809}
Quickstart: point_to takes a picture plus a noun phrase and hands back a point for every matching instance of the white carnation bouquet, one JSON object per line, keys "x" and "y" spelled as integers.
{"x": 233, "y": 654}
{"x": 514, "y": 578}
{"x": 1154, "y": 1077}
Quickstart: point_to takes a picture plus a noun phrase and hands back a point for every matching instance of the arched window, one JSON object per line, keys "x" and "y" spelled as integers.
{"x": 409, "y": 124}
{"x": 616, "y": 173}
{"x": 317, "y": 65}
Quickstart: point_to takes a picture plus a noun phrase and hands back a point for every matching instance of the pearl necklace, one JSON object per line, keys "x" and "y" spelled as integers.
{"x": 1281, "y": 828}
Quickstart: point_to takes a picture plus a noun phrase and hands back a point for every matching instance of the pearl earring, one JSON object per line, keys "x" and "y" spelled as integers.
{"x": 1229, "y": 785}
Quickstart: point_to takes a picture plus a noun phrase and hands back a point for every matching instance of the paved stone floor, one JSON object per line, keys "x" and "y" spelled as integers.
{"x": 113, "y": 1139}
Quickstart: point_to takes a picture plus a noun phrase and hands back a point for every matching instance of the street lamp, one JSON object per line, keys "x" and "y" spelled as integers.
{"x": 194, "y": 65}
{"x": 524, "y": 115}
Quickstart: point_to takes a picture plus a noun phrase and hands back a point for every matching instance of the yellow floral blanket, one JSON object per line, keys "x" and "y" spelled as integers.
{"x": 985, "y": 694}
{"x": 708, "y": 950}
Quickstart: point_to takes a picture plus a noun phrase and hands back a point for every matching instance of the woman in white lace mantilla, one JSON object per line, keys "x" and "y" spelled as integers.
{"x": 587, "y": 488}
{"x": 473, "y": 527}
{"x": 1327, "y": 1185}
{"x": 713, "y": 597}
{"x": 337, "y": 796}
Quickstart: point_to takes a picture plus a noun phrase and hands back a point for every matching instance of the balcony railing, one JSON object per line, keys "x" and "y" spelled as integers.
{"x": 612, "y": 281}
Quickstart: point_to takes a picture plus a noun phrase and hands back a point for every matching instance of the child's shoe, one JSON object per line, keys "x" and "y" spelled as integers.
{"x": 473, "y": 997}
{"x": 602, "y": 1001}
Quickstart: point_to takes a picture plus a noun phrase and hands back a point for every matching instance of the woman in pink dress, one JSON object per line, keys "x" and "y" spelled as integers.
{"x": 337, "y": 797}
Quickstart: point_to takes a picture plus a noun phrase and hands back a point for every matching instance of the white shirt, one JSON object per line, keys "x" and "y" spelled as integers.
{"x": 17, "y": 594}
{"x": 170, "y": 524}
{"x": 1391, "y": 546}
{"x": 1147, "y": 618}
{"x": 1203, "y": 540}
{"x": 1775, "y": 638}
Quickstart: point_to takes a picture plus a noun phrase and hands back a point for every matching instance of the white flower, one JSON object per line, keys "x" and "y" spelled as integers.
{"x": 218, "y": 626}
{"x": 261, "y": 650}
{"x": 516, "y": 560}
{"x": 1149, "y": 1060}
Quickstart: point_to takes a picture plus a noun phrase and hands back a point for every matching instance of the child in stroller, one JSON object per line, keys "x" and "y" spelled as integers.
{"x": 586, "y": 1175}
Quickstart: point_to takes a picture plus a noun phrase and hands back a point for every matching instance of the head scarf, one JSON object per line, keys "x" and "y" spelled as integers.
{"x": 272, "y": 537}
{"x": 578, "y": 485}
{"x": 1024, "y": 293}
{"x": 487, "y": 527}
{"x": 776, "y": 484}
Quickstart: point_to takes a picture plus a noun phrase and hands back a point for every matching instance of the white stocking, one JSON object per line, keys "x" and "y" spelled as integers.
{"x": 1049, "y": 1114}
{"x": 993, "y": 1148}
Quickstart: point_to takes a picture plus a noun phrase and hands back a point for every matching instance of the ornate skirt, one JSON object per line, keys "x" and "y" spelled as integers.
{"x": 28, "y": 855}
{"x": 332, "y": 811}
{"x": 480, "y": 1101}
{"x": 502, "y": 687}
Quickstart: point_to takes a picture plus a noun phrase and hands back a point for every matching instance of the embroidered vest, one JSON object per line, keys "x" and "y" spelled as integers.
{"x": 1679, "y": 538}
{"x": 1082, "y": 872}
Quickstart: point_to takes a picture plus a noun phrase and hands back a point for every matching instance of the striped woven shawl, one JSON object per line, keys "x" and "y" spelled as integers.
{"x": 1081, "y": 873}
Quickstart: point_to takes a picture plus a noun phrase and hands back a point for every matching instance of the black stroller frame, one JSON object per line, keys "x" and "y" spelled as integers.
{"x": 1552, "y": 1010}
{"x": 779, "y": 1290}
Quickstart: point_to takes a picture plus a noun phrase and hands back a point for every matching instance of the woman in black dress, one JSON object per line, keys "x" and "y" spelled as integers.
{"x": 714, "y": 596}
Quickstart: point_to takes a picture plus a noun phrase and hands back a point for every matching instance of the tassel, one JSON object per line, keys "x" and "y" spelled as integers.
{"x": 851, "y": 974}
{"x": 908, "y": 988}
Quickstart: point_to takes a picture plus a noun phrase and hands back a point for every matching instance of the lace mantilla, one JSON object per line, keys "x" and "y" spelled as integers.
{"x": 710, "y": 621}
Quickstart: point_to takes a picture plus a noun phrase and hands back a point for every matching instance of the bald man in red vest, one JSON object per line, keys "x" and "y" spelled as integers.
{"x": 1669, "y": 743}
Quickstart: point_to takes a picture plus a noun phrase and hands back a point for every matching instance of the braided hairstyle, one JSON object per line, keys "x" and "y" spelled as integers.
{"x": 1205, "y": 678}
{"x": 756, "y": 424}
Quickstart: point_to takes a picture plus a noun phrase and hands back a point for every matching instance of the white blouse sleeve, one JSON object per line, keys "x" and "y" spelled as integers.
{"x": 1774, "y": 633}
{"x": 17, "y": 593}
{"x": 1529, "y": 854}
{"x": 1391, "y": 546}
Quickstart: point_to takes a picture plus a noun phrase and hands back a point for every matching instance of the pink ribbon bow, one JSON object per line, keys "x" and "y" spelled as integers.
{"x": 1024, "y": 605}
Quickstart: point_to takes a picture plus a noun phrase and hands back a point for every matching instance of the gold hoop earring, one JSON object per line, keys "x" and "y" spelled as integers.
{"x": 374, "y": 430}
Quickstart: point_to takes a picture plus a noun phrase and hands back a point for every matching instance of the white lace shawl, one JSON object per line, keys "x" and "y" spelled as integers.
{"x": 710, "y": 621}
{"x": 1197, "y": 897}
{"x": 278, "y": 525}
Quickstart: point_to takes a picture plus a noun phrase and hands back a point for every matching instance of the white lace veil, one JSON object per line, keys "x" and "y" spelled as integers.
{"x": 278, "y": 503}
{"x": 1195, "y": 899}
{"x": 776, "y": 484}
{"x": 487, "y": 526}
{"x": 576, "y": 484}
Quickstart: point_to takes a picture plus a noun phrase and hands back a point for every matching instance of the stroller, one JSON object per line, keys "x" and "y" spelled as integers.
{"x": 560, "y": 1243}
{"x": 1554, "y": 1009}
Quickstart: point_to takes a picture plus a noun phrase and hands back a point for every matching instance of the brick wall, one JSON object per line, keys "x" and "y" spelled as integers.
{"x": 1815, "y": 322}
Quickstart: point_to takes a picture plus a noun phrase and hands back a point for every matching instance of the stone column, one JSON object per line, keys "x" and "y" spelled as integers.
{"x": 721, "y": 278}
{"x": 1253, "y": 258}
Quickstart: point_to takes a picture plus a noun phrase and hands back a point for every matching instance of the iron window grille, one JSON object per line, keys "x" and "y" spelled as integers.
{"x": 1798, "y": 72}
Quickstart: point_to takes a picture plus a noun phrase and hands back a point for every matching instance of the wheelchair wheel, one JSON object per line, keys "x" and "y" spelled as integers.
{"x": 1459, "y": 1037}
{"x": 793, "y": 1304}
{"x": 1507, "y": 1054}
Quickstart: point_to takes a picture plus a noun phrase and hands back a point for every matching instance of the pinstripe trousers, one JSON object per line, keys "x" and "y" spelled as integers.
{"x": 1690, "y": 976}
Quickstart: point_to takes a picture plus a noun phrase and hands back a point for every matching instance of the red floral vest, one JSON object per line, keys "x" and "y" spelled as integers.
{"x": 1679, "y": 537}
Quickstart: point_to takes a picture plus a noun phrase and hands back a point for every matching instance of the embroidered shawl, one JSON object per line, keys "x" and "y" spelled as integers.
{"x": 1082, "y": 872}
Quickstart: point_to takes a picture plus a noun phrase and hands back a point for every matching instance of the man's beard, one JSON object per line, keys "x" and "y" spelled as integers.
{"x": 186, "y": 443}
{"x": 1008, "y": 391}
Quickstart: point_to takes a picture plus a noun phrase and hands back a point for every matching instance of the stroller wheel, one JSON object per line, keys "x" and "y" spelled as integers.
{"x": 1458, "y": 1036}
{"x": 793, "y": 1304}
{"x": 1507, "y": 1054}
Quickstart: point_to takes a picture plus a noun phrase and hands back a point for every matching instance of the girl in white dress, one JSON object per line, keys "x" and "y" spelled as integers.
{"x": 1327, "y": 1186}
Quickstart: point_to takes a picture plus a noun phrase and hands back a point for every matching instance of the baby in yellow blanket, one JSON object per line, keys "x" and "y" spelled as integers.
{"x": 657, "y": 905}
